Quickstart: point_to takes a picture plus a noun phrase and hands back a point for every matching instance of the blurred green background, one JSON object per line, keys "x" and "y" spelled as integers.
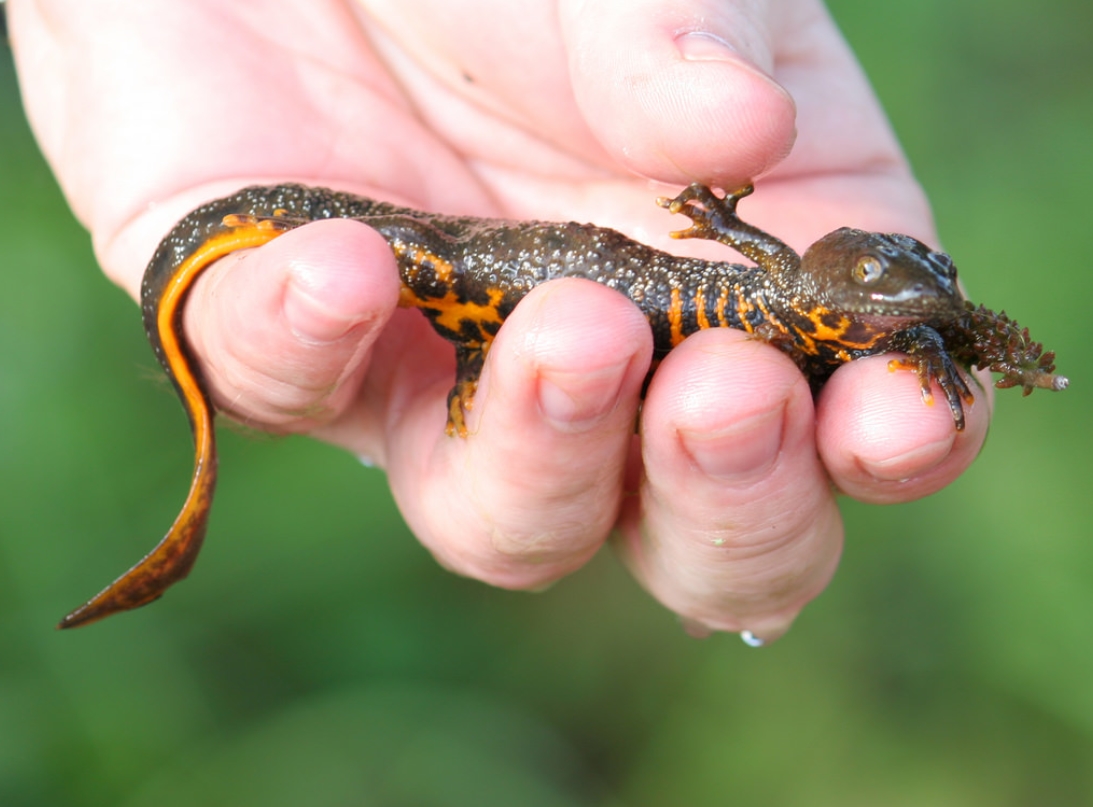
{"x": 320, "y": 657}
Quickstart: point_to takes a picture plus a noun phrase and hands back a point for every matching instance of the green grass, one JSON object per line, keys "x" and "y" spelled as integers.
{"x": 320, "y": 656}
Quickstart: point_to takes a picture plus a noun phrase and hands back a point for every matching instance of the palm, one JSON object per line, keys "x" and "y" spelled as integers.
{"x": 553, "y": 110}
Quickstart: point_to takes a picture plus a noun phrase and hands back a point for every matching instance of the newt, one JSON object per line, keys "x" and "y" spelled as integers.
{"x": 851, "y": 294}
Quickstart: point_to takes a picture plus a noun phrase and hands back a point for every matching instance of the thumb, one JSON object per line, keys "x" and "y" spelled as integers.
{"x": 680, "y": 89}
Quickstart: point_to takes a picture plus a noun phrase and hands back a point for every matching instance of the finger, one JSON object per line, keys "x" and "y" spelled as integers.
{"x": 882, "y": 444}
{"x": 737, "y": 527}
{"x": 699, "y": 102}
{"x": 282, "y": 331}
{"x": 534, "y": 489}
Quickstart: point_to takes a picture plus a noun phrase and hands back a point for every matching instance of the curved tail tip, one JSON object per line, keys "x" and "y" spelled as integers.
{"x": 81, "y": 616}
{"x": 101, "y": 606}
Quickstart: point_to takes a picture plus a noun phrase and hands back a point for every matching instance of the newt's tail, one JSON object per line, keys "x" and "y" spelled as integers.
{"x": 174, "y": 556}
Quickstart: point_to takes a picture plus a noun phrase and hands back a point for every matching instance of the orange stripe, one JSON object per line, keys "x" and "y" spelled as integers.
{"x": 743, "y": 308}
{"x": 182, "y": 280}
{"x": 675, "y": 318}
{"x": 722, "y": 304}
{"x": 251, "y": 234}
{"x": 700, "y": 310}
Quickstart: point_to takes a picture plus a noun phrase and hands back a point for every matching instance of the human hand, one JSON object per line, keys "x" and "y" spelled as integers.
{"x": 724, "y": 509}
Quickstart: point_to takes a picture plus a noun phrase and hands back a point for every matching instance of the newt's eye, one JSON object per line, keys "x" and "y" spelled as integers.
{"x": 868, "y": 270}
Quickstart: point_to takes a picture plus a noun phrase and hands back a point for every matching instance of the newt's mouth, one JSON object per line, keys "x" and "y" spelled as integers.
{"x": 914, "y": 301}
{"x": 890, "y": 323}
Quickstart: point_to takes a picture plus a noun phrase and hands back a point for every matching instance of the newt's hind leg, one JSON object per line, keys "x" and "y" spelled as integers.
{"x": 468, "y": 367}
{"x": 714, "y": 218}
{"x": 984, "y": 338}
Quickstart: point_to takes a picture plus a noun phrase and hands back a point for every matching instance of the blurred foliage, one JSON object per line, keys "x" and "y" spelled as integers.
{"x": 321, "y": 657}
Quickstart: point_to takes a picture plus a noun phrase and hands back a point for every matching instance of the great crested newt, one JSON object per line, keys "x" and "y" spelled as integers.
{"x": 852, "y": 294}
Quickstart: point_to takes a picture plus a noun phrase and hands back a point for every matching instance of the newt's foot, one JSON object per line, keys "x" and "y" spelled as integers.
{"x": 927, "y": 357}
{"x": 469, "y": 362}
{"x": 460, "y": 402}
{"x": 946, "y": 375}
{"x": 712, "y": 216}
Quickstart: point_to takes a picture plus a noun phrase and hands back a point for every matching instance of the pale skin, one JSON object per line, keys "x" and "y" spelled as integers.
{"x": 725, "y": 507}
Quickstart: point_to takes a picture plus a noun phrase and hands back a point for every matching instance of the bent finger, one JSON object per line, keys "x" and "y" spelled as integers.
{"x": 283, "y": 331}
{"x": 534, "y": 489}
{"x": 737, "y": 527}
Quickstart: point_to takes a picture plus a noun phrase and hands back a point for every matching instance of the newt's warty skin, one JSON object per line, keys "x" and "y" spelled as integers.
{"x": 852, "y": 294}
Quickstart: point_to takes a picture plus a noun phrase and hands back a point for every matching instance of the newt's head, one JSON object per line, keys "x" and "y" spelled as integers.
{"x": 881, "y": 274}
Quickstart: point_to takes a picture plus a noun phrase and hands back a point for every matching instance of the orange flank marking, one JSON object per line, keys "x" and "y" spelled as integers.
{"x": 837, "y": 333}
{"x": 836, "y": 336}
{"x": 743, "y": 308}
{"x": 761, "y": 306}
{"x": 675, "y": 318}
{"x": 722, "y": 304}
{"x": 453, "y": 311}
{"x": 420, "y": 258}
{"x": 825, "y": 332}
{"x": 700, "y": 310}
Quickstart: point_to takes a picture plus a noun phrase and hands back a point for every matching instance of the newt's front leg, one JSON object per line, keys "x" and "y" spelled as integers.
{"x": 714, "y": 218}
{"x": 927, "y": 356}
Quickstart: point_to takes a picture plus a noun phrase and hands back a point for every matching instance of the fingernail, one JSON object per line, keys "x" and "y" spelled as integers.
{"x": 746, "y": 449}
{"x": 910, "y": 464}
{"x": 575, "y": 402}
{"x": 703, "y": 46}
{"x": 311, "y": 318}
